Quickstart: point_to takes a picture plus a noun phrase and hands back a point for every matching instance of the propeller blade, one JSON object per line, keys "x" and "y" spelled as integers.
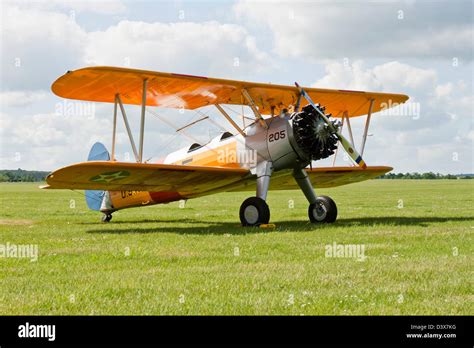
{"x": 344, "y": 142}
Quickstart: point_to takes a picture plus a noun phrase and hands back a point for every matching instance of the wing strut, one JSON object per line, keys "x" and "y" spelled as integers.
{"x": 114, "y": 130}
{"x": 298, "y": 103}
{"x": 231, "y": 121}
{"x": 254, "y": 108}
{"x": 366, "y": 129}
{"x": 129, "y": 131}
{"x": 117, "y": 100}
{"x": 192, "y": 123}
{"x": 142, "y": 122}
{"x": 349, "y": 128}
{"x": 338, "y": 143}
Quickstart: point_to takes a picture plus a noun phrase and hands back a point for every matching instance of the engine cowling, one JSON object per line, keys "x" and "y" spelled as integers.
{"x": 313, "y": 136}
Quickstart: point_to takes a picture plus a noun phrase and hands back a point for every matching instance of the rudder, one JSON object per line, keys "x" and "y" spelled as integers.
{"x": 94, "y": 198}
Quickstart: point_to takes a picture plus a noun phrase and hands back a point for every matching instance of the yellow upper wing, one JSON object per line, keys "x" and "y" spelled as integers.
{"x": 101, "y": 84}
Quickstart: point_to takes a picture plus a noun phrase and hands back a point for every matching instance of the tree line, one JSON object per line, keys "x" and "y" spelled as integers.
{"x": 428, "y": 176}
{"x": 20, "y": 175}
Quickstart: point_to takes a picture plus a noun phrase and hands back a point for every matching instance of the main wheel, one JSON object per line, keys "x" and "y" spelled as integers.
{"x": 106, "y": 217}
{"x": 324, "y": 210}
{"x": 254, "y": 211}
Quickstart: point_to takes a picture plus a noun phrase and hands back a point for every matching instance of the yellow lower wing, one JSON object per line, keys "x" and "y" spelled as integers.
{"x": 192, "y": 181}
{"x": 189, "y": 181}
{"x": 320, "y": 177}
{"x": 338, "y": 176}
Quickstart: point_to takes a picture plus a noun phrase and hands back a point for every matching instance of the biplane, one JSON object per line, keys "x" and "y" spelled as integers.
{"x": 290, "y": 128}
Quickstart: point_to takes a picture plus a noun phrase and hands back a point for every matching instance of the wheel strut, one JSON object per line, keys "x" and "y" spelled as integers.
{"x": 106, "y": 217}
{"x": 321, "y": 208}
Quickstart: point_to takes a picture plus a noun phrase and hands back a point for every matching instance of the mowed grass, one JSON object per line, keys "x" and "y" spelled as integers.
{"x": 418, "y": 239}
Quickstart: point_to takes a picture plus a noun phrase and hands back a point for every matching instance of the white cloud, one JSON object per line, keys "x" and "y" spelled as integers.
{"x": 36, "y": 46}
{"x": 395, "y": 74}
{"x": 406, "y": 141}
{"x": 355, "y": 29}
{"x": 208, "y": 47}
{"x": 40, "y": 44}
{"x": 21, "y": 98}
{"x": 46, "y": 41}
{"x": 444, "y": 90}
{"x": 80, "y": 6}
{"x": 392, "y": 77}
{"x": 41, "y": 141}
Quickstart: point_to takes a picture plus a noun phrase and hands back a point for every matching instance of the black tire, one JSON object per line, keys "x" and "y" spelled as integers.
{"x": 323, "y": 211}
{"x": 254, "y": 211}
{"x": 106, "y": 217}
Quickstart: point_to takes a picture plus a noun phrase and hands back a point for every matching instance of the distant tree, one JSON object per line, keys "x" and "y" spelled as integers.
{"x": 429, "y": 175}
{"x": 22, "y": 175}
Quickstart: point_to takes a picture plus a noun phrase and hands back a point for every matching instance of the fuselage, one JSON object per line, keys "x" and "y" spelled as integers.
{"x": 220, "y": 152}
{"x": 273, "y": 142}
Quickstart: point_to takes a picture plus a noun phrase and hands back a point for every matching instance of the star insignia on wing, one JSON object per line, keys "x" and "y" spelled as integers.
{"x": 110, "y": 176}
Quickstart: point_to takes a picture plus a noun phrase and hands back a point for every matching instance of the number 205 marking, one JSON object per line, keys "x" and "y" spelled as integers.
{"x": 277, "y": 136}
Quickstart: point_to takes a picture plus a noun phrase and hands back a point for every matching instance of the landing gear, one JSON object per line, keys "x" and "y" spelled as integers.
{"x": 321, "y": 208}
{"x": 254, "y": 211}
{"x": 106, "y": 217}
{"x": 323, "y": 211}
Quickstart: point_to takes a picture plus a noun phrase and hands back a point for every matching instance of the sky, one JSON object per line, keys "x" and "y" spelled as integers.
{"x": 420, "y": 48}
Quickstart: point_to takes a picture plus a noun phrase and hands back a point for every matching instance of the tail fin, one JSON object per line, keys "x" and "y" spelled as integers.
{"x": 94, "y": 198}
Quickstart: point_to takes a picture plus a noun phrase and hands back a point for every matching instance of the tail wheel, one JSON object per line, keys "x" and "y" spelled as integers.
{"x": 323, "y": 211}
{"x": 254, "y": 211}
{"x": 106, "y": 217}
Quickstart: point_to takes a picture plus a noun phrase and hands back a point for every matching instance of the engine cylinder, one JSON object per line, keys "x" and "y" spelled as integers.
{"x": 312, "y": 134}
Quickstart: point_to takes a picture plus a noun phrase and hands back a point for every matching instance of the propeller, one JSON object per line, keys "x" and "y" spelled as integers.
{"x": 344, "y": 142}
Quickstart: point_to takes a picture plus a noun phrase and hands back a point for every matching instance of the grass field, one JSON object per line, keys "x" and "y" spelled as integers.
{"x": 418, "y": 239}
